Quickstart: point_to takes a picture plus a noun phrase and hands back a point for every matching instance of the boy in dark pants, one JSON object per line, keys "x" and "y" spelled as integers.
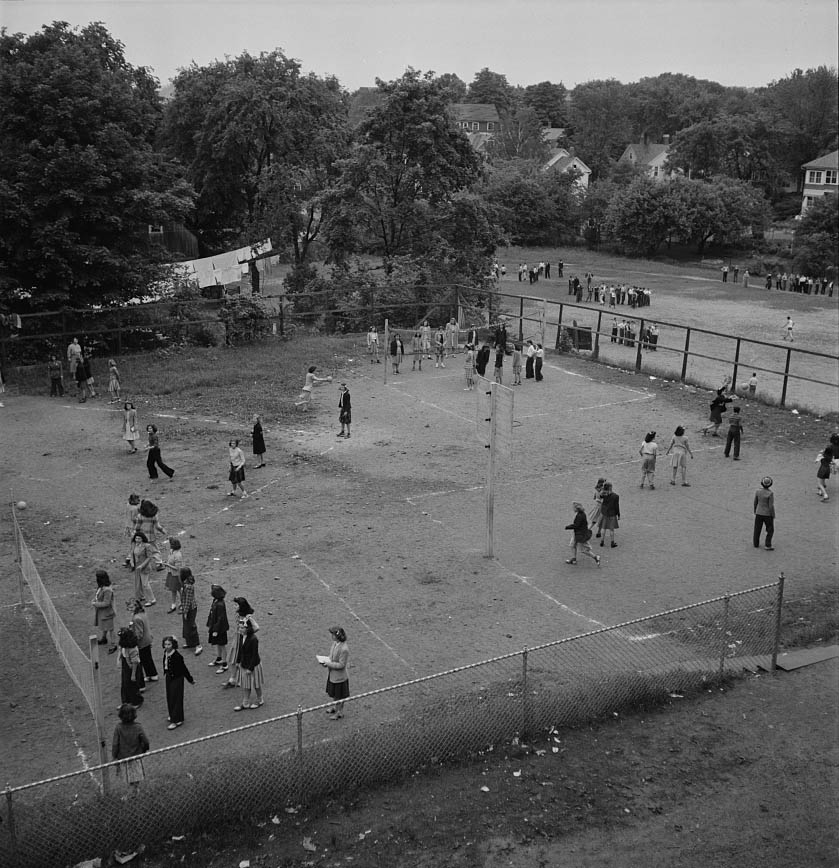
{"x": 345, "y": 409}
{"x": 735, "y": 429}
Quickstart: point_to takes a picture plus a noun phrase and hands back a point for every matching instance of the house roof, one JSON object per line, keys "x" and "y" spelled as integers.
{"x": 551, "y": 135}
{"x": 479, "y": 141}
{"x": 645, "y": 153}
{"x": 481, "y": 112}
{"x": 828, "y": 161}
{"x": 562, "y": 161}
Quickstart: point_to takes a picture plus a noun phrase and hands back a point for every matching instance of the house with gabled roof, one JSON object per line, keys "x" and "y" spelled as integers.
{"x": 564, "y": 161}
{"x": 475, "y": 117}
{"x": 821, "y": 178}
{"x": 649, "y": 156}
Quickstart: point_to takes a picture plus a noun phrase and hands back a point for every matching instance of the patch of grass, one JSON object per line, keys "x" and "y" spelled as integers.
{"x": 811, "y": 619}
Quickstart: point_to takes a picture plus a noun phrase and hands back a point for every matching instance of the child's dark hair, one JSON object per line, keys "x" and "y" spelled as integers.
{"x": 102, "y": 578}
{"x": 171, "y": 639}
{"x": 174, "y": 543}
{"x": 186, "y": 575}
{"x": 679, "y": 431}
{"x": 127, "y": 713}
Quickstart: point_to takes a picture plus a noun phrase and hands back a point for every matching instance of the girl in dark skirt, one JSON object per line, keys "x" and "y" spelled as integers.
{"x": 217, "y": 624}
{"x": 337, "y": 681}
{"x": 129, "y": 658}
{"x": 244, "y": 618}
{"x": 237, "y": 469}
{"x": 258, "y": 440}
{"x": 610, "y": 513}
{"x": 175, "y": 670}
{"x": 249, "y": 676}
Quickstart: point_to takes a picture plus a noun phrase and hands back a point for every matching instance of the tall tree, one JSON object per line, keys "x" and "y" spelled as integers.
{"x": 491, "y": 88}
{"x": 404, "y": 182}
{"x": 80, "y": 180}
{"x": 816, "y": 243}
{"x": 520, "y": 136}
{"x": 548, "y": 100}
{"x": 601, "y": 123}
{"x": 454, "y": 88}
{"x": 671, "y": 101}
{"x": 258, "y": 139}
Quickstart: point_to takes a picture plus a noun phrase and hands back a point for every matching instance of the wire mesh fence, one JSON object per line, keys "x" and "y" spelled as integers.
{"x": 267, "y": 767}
{"x": 76, "y": 662}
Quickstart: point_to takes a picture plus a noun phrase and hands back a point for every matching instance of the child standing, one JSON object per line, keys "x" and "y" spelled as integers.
{"x": 173, "y": 566}
{"x": 189, "y": 608}
{"x": 516, "y": 364}
{"x": 56, "y": 373}
{"x": 611, "y": 512}
{"x": 237, "y": 469}
{"x": 648, "y": 453}
{"x": 469, "y": 368}
{"x": 439, "y": 349}
{"x": 175, "y": 672}
{"x": 680, "y": 448}
{"x": 416, "y": 350}
{"x": 499, "y": 363}
{"x": 244, "y": 618}
{"x": 249, "y": 677}
{"x": 140, "y": 625}
{"x": 129, "y": 662}
{"x": 113, "y": 382}
{"x": 345, "y": 410}
{"x": 258, "y": 440}
{"x": 753, "y": 385}
{"x": 597, "y": 509}
{"x": 217, "y": 624}
{"x": 735, "y": 429}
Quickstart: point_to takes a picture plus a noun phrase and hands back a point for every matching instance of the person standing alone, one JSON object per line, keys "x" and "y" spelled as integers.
{"x": 764, "y": 510}
{"x": 345, "y": 409}
{"x": 735, "y": 429}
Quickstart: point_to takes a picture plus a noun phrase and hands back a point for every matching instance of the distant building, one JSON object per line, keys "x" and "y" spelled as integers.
{"x": 475, "y": 117}
{"x": 820, "y": 179}
{"x": 564, "y": 161}
{"x": 649, "y": 156}
{"x": 553, "y": 137}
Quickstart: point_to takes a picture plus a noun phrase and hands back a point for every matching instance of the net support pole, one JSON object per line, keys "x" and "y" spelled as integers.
{"x": 490, "y": 487}
{"x": 99, "y": 713}
{"x": 685, "y": 356}
{"x": 779, "y": 605}
{"x": 724, "y": 642}
{"x": 387, "y": 347}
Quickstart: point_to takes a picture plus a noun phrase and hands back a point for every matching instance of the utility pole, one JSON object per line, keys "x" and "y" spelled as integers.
{"x": 494, "y": 427}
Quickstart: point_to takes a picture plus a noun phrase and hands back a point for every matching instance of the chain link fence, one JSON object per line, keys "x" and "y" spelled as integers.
{"x": 266, "y": 768}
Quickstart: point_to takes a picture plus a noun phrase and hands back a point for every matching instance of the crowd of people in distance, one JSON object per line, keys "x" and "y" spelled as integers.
{"x": 781, "y": 281}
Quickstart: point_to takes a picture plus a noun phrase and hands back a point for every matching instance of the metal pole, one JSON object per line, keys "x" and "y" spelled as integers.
{"x": 386, "y": 347}
{"x": 724, "y": 635}
{"x": 596, "y": 354}
{"x": 638, "y": 345}
{"x": 736, "y": 365}
{"x": 778, "y": 612}
{"x": 524, "y": 703}
{"x": 119, "y": 332}
{"x": 685, "y": 356}
{"x": 98, "y": 712}
{"x": 490, "y": 489}
{"x": 18, "y": 556}
{"x": 11, "y": 821}
{"x": 300, "y": 763}
{"x": 521, "y": 318}
{"x": 786, "y": 377}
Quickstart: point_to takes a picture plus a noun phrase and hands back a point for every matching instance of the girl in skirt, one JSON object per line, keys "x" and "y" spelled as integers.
{"x": 249, "y": 676}
{"x": 129, "y": 427}
{"x": 244, "y": 618}
{"x": 173, "y": 566}
{"x": 237, "y": 469}
{"x": 217, "y": 624}
{"x": 113, "y": 381}
{"x": 597, "y": 509}
{"x": 258, "y": 440}
{"x": 337, "y": 681}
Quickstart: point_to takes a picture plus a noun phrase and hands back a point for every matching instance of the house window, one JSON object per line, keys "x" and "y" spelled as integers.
{"x": 475, "y": 125}
{"x": 814, "y": 177}
{"x": 491, "y": 126}
{"x": 655, "y": 171}
{"x": 830, "y": 176}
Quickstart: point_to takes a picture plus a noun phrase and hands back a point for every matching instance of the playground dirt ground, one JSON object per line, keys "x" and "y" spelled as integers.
{"x": 385, "y": 532}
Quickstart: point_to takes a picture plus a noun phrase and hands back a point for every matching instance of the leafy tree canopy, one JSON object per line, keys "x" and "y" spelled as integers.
{"x": 491, "y": 88}
{"x": 403, "y": 191}
{"x": 601, "y": 123}
{"x": 80, "y": 181}
{"x": 816, "y": 244}
{"x": 259, "y": 141}
{"x": 548, "y": 100}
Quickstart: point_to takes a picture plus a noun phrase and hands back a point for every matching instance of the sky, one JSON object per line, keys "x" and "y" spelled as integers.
{"x": 734, "y": 42}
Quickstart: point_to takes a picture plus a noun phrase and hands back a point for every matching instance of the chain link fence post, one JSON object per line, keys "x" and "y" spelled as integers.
{"x": 724, "y": 643}
{"x": 12, "y": 833}
{"x": 524, "y": 701}
{"x": 301, "y": 770}
{"x": 779, "y": 605}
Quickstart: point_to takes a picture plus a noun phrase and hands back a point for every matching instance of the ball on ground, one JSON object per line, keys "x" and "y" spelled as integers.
{"x": 21, "y": 504}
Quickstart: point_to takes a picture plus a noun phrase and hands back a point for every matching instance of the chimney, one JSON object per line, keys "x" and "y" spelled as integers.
{"x": 645, "y": 139}
{"x": 666, "y": 138}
